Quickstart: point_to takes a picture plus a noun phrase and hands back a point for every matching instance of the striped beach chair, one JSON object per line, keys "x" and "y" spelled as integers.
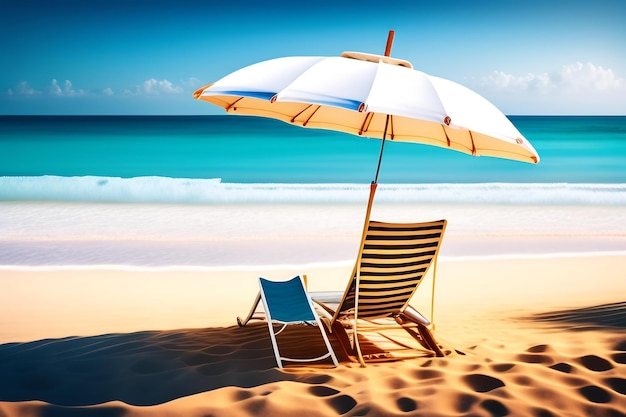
{"x": 393, "y": 260}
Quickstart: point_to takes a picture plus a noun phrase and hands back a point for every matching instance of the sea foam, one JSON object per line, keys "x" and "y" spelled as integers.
{"x": 156, "y": 189}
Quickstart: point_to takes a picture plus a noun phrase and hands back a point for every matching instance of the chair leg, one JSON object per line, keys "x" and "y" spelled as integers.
{"x": 429, "y": 339}
{"x": 274, "y": 344}
{"x": 242, "y": 322}
{"x": 426, "y": 337}
{"x": 357, "y": 346}
{"x": 331, "y": 352}
{"x": 423, "y": 335}
{"x": 341, "y": 335}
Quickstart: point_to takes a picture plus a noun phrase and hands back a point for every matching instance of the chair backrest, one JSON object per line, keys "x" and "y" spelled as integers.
{"x": 392, "y": 261}
{"x": 286, "y": 300}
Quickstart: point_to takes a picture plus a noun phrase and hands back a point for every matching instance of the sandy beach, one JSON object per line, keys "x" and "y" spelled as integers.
{"x": 530, "y": 336}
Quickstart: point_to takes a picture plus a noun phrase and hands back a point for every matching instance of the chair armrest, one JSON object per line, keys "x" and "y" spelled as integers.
{"x": 412, "y": 315}
{"x": 326, "y": 297}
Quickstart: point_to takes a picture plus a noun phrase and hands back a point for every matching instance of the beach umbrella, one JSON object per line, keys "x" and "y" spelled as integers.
{"x": 374, "y": 96}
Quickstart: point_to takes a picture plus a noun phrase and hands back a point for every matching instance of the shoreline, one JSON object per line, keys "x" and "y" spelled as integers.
{"x": 232, "y": 236}
{"x": 56, "y": 302}
{"x": 304, "y": 266}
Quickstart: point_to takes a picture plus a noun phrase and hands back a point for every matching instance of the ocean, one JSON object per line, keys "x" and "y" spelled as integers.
{"x": 220, "y": 191}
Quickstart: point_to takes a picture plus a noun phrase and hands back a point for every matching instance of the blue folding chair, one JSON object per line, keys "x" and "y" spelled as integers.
{"x": 285, "y": 303}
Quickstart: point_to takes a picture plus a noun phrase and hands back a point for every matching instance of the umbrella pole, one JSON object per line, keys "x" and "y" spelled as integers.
{"x": 374, "y": 184}
{"x": 356, "y": 273}
{"x": 380, "y": 157}
{"x": 389, "y": 42}
{"x": 382, "y": 148}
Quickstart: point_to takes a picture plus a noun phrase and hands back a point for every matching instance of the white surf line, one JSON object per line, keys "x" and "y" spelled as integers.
{"x": 171, "y": 268}
{"x": 301, "y": 266}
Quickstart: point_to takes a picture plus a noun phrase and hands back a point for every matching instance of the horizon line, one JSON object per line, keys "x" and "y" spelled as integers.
{"x": 261, "y": 117}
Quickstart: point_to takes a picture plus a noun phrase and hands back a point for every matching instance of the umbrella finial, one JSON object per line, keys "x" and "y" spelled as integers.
{"x": 389, "y": 42}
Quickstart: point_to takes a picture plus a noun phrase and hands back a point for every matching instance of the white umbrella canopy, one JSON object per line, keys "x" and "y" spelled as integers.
{"x": 373, "y": 96}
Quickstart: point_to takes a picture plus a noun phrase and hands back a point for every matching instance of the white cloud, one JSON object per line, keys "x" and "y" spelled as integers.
{"x": 55, "y": 88}
{"x": 191, "y": 82}
{"x": 501, "y": 80}
{"x": 576, "y": 77}
{"x": 590, "y": 77}
{"x": 153, "y": 86}
{"x": 24, "y": 89}
{"x": 66, "y": 90}
{"x": 579, "y": 88}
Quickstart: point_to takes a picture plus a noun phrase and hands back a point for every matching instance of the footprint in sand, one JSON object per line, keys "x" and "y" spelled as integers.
{"x": 542, "y": 412}
{"x": 595, "y": 394}
{"x": 537, "y": 354}
{"x": 340, "y": 403}
{"x": 539, "y": 349}
{"x": 563, "y": 367}
{"x": 619, "y": 358}
{"x": 242, "y": 394}
{"x": 323, "y": 391}
{"x": 406, "y": 404}
{"x": 495, "y": 407}
{"x": 617, "y": 384}
{"x": 502, "y": 367}
{"x": 595, "y": 363}
{"x": 482, "y": 383}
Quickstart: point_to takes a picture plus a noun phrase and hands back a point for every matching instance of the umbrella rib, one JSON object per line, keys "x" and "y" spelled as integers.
{"x": 311, "y": 116}
{"x": 392, "y": 136}
{"x": 366, "y": 123}
{"x": 473, "y": 145}
{"x": 445, "y": 132}
{"x": 293, "y": 119}
{"x": 233, "y": 103}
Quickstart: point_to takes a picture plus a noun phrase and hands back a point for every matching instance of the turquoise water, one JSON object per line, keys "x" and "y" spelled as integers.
{"x": 230, "y": 159}
{"x": 255, "y": 150}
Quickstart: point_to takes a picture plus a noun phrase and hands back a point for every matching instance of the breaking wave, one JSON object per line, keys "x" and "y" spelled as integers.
{"x": 213, "y": 191}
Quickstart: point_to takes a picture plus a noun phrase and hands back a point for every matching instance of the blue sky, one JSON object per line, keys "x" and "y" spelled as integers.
{"x": 147, "y": 57}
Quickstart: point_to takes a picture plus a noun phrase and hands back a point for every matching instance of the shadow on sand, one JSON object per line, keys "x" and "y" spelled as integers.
{"x": 144, "y": 368}
{"x": 154, "y": 367}
{"x": 605, "y": 316}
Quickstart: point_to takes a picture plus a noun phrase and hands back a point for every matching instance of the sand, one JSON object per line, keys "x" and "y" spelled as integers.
{"x": 527, "y": 336}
